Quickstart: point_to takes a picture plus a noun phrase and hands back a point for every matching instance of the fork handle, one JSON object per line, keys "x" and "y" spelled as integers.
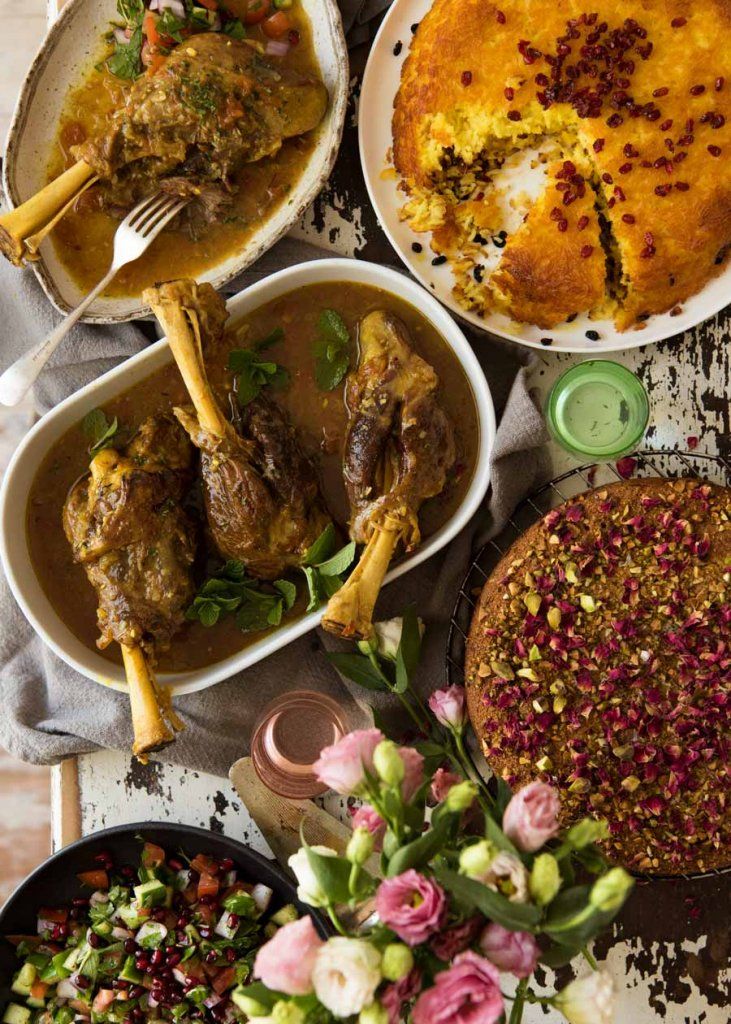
{"x": 23, "y": 373}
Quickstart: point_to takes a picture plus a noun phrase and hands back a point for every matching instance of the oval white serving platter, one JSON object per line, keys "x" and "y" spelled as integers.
{"x": 68, "y": 50}
{"x": 381, "y": 82}
{"x": 29, "y": 455}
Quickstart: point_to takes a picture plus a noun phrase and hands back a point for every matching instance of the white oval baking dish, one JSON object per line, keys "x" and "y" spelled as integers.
{"x": 66, "y": 52}
{"x": 26, "y": 461}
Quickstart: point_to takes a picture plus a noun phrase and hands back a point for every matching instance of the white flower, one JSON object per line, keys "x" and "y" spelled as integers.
{"x": 588, "y": 1000}
{"x": 346, "y": 975}
{"x": 507, "y": 875}
{"x": 309, "y": 889}
{"x": 388, "y": 636}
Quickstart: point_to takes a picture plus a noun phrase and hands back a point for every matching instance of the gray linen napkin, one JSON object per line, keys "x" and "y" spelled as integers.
{"x": 50, "y": 712}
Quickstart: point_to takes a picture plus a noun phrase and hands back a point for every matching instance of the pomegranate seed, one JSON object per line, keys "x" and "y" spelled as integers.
{"x": 541, "y": 79}
{"x": 82, "y": 982}
{"x": 611, "y": 203}
{"x": 204, "y": 931}
{"x": 615, "y": 121}
{"x": 714, "y": 150}
{"x": 157, "y": 957}
{"x": 682, "y": 186}
{"x": 174, "y": 864}
{"x": 678, "y": 22}
{"x": 660, "y": 162}
{"x": 211, "y": 956}
{"x": 662, "y": 190}
{"x": 509, "y": 93}
{"x": 666, "y": 125}
{"x": 174, "y": 959}
{"x": 628, "y": 218}
{"x": 647, "y": 252}
{"x": 586, "y": 251}
{"x": 500, "y": 17}
{"x": 718, "y": 121}
{"x": 607, "y": 178}
{"x": 625, "y": 168}
{"x": 686, "y": 140}
{"x": 94, "y": 940}
{"x": 719, "y": 83}
{"x": 582, "y": 223}
{"x": 227, "y": 864}
{"x": 230, "y": 955}
{"x": 697, "y": 90}
{"x": 466, "y": 78}
{"x": 619, "y": 193}
{"x": 598, "y": 145}
{"x": 130, "y": 946}
{"x": 293, "y": 36}
{"x": 514, "y": 115}
{"x": 630, "y": 151}
{"x": 663, "y": 91}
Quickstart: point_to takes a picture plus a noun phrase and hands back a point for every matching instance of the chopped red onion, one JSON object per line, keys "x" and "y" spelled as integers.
{"x": 277, "y": 48}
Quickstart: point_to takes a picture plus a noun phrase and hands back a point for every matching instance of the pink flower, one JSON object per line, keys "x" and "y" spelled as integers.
{"x": 413, "y": 906}
{"x": 531, "y": 817}
{"x": 448, "y": 943}
{"x": 442, "y": 783}
{"x": 466, "y": 993}
{"x": 516, "y": 952}
{"x": 399, "y": 992}
{"x": 448, "y": 707}
{"x": 413, "y": 771}
{"x": 285, "y": 963}
{"x": 367, "y": 817}
{"x": 341, "y": 766}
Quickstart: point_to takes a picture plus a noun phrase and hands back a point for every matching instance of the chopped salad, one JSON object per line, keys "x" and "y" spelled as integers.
{"x": 172, "y": 940}
{"x": 149, "y": 29}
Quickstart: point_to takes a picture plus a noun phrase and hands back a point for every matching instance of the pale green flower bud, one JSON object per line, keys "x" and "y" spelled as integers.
{"x": 587, "y": 831}
{"x": 373, "y": 1014}
{"x": 368, "y": 646}
{"x": 545, "y": 879}
{"x": 397, "y": 961}
{"x": 475, "y": 860}
{"x": 610, "y": 891}
{"x": 251, "y": 1007}
{"x": 287, "y": 1013}
{"x": 461, "y": 797}
{"x": 388, "y": 764}
{"x": 360, "y": 846}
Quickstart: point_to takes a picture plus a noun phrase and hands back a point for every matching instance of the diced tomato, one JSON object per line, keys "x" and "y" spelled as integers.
{"x": 149, "y": 27}
{"x": 153, "y": 856}
{"x": 207, "y": 914}
{"x": 194, "y": 969}
{"x": 207, "y": 886}
{"x": 256, "y": 11}
{"x": 155, "y": 62}
{"x": 210, "y": 5}
{"x": 94, "y": 879}
{"x": 190, "y": 895}
{"x": 56, "y": 914}
{"x": 224, "y": 980}
{"x": 205, "y": 865}
{"x": 276, "y": 26}
{"x": 103, "y": 1000}
{"x": 80, "y": 1006}
{"x": 38, "y": 989}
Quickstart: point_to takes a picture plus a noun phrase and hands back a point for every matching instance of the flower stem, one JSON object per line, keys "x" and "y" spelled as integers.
{"x": 516, "y": 1012}
{"x": 335, "y": 920}
{"x": 589, "y": 959}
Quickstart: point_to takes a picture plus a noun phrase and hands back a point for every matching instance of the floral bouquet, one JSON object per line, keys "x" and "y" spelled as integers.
{"x": 466, "y": 882}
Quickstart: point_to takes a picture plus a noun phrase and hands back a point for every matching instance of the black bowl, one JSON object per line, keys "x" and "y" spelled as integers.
{"x": 54, "y": 883}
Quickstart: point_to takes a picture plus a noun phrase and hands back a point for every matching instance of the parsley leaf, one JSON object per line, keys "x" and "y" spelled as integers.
{"x": 252, "y": 374}
{"x": 170, "y": 25}
{"x": 126, "y": 60}
{"x": 99, "y": 430}
{"x": 332, "y": 350}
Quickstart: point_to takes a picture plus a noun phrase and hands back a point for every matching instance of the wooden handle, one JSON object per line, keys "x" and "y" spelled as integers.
{"x": 151, "y": 731}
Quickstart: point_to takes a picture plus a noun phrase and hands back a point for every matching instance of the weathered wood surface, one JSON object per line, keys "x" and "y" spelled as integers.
{"x": 669, "y": 951}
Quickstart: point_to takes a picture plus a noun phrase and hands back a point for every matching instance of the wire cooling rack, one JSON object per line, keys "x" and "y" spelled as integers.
{"x": 663, "y": 462}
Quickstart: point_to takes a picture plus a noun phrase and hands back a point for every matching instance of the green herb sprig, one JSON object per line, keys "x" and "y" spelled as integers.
{"x": 332, "y": 350}
{"x": 99, "y": 430}
{"x": 253, "y": 373}
{"x": 256, "y": 605}
{"x": 324, "y": 567}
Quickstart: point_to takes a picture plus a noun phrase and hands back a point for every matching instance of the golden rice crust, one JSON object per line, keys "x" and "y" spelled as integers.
{"x": 546, "y": 274}
{"x": 452, "y": 101}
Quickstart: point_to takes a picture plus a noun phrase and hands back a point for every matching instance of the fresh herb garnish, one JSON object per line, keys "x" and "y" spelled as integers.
{"x": 99, "y": 430}
{"x": 235, "y": 29}
{"x": 126, "y": 61}
{"x": 324, "y": 567}
{"x": 252, "y": 373}
{"x": 332, "y": 350}
{"x": 256, "y": 605}
{"x": 170, "y": 25}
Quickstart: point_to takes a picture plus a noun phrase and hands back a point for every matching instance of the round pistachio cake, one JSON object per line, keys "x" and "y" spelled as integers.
{"x": 599, "y": 659}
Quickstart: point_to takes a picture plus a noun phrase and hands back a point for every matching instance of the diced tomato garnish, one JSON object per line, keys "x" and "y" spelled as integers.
{"x": 224, "y": 980}
{"x": 207, "y": 886}
{"x": 103, "y": 1000}
{"x": 205, "y": 865}
{"x": 256, "y": 11}
{"x": 56, "y": 914}
{"x": 194, "y": 969}
{"x": 153, "y": 856}
{"x": 207, "y": 914}
{"x": 276, "y": 26}
{"x": 38, "y": 989}
{"x": 94, "y": 879}
{"x": 149, "y": 27}
{"x": 190, "y": 895}
{"x": 210, "y": 5}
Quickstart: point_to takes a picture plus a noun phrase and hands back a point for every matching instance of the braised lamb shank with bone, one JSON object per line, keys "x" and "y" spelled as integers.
{"x": 127, "y": 527}
{"x": 399, "y": 448}
{"x": 213, "y": 106}
{"x": 261, "y": 492}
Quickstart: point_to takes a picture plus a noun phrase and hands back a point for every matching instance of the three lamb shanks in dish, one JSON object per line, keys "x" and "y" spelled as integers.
{"x": 398, "y": 451}
{"x": 127, "y": 527}
{"x": 214, "y": 105}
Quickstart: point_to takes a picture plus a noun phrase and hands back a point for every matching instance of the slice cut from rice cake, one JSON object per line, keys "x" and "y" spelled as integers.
{"x": 554, "y": 264}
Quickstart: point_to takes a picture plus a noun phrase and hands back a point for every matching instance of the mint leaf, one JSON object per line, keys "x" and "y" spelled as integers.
{"x": 339, "y": 562}
{"x": 332, "y": 350}
{"x": 235, "y": 29}
{"x": 99, "y": 430}
{"x": 252, "y": 374}
{"x": 270, "y": 339}
{"x": 288, "y": 591}
{"x": 322, "y": 547}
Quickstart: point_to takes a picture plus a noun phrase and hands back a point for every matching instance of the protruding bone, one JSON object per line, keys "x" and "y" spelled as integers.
{"x": 350, "y": 610}
{"x": 151, "y": 731}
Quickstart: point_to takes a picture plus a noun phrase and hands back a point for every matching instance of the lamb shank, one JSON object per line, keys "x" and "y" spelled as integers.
{"x": 128, "y": 529}
{"x": 214, "y": 105}
{"x": 261, "y": 493}
{"x": 399, "y": 448}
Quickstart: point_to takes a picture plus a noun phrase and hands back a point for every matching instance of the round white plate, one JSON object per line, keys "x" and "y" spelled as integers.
{"x": 380, "y": 85}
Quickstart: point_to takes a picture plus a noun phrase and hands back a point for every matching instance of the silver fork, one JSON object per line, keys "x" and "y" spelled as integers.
{"x": 134, "y": 235}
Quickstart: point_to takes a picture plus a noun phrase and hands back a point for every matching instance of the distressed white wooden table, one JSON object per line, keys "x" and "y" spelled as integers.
{"x": 669, "y": 950}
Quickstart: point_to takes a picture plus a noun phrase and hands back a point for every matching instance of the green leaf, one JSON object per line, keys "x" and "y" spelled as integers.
{"x": 313, "y": 587}
{"x": 126, "y": 60}
{"x": 99, "y": 430}
{"x": 559, "y": 956}
{"x": 237, "y": 31}
{"x": 332, "y": 328}
{"x": 259, "y": 611}
{"x": 252, "y": 374}
{"x": 497, "y": 837}
{"x": 339, "y": 562}
{"x": 332, "y": 350}
{"x": 274, "y": 336}
{"x": 130, "y": 11}
{"x": 420, "y": 851}
{"x": 208, "y": 612}
{"x": 572, "y": 921}
{"x": 362, "y": 671}
{"x": 504, "y": 795}
{"x": 288, "y": 591}
{"x": 322, "y": 548}
{"x": 332, "y": 874}
{"x": 474, "y": 895}
{"x": 409, "y": 649}
{"x": 169, "y": 25}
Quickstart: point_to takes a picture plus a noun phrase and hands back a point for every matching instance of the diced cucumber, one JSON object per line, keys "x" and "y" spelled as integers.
{"x": 55, "y": 969}
{"x": 38, "y": 960}
{"x": 270, "y": 930}
{"x": 130, "y": 914}
{"x": 74, "y": 957}
{"x": 150, "y": 894}
{"x": 151, "y": 935}
{"x": 37, "y": 1004}
{"x": 241, "y": 903}
{"x": 103, "y": 928}
{"x": 285, "y": 915}
{"x": 197, "y": 995}
{"x": 130, "y": 973}
{"x": 24, "y": 979}
{"x": 225, "y": 928}
{"x": 63, "y": 1015}
{"x": 251, "y": 1007}
{"x": 15, "y": 1014}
